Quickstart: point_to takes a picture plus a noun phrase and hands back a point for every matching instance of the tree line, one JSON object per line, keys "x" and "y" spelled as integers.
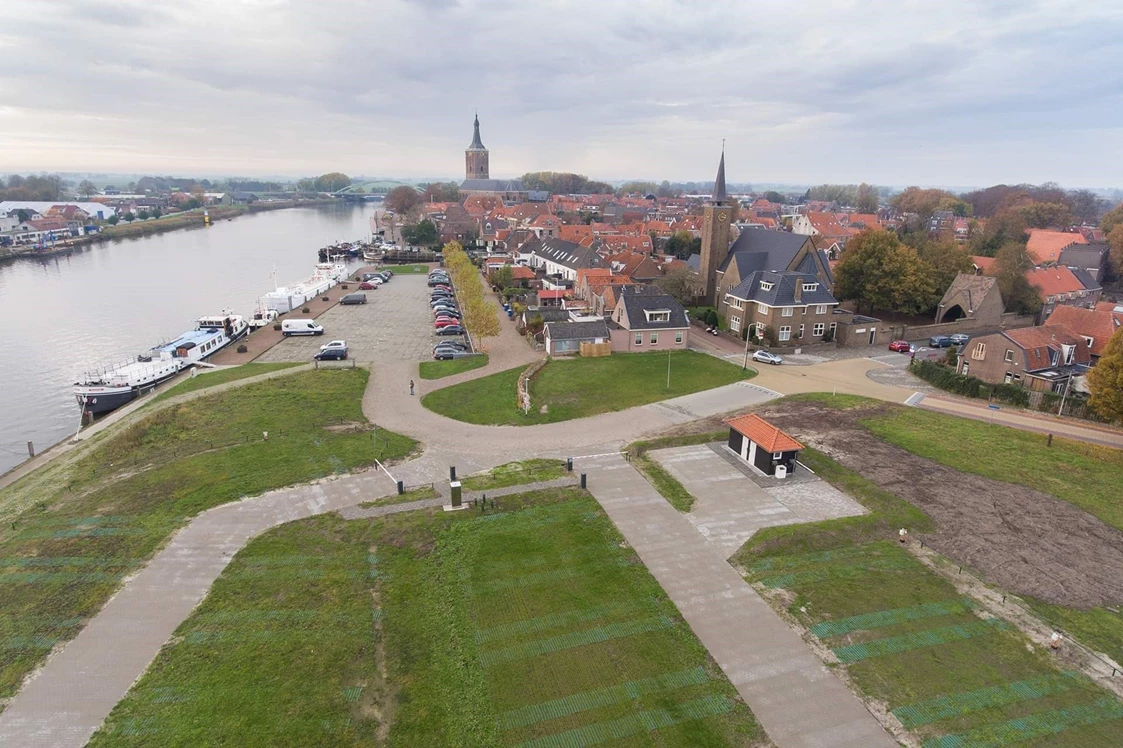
{"x": 480, "y": 315}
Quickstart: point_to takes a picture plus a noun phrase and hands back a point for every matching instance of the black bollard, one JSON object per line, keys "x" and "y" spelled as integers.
{"x": 452, "y": 472}
{"x": 401, "y": 488}
{"x": 582, "y": 480}
{"x": 569, "y": 464}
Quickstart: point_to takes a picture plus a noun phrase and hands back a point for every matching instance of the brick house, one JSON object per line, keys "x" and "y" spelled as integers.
{"x": 646, "y": 320}
{"x": 1061, "y": 285}
{"x": 1039, "y": 358}
{"x": 565, "y": 338}
{"x": 972, "y": 297}
{"x": 796, "y": 305}
{"x": 1096, "y": 326}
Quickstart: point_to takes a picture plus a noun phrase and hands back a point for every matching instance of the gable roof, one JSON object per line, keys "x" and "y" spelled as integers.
{"x": 984, "y": 264}
{"x": 974, "y": 287}
{"x": 577, "y": 330}
{"x": 638, "y": 302}
{"x": 782, "y": 288}
{"x": 827, "y": 224}
{"x": 1054, "y": 281}
{"x": 763, "y": 433}
{"x": 568, "y": 254}
{"x": 1084, "y": 255}
{"x": 1039, "y": 342}
{"x": 763, "y": 249}
{"x": 492, "y": 185}
{"x": 1044, "y": 246}
{"x": 1097, "y": 324}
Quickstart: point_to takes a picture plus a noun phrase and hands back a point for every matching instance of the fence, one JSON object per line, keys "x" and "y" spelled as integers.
{"x": 595, "y": 350}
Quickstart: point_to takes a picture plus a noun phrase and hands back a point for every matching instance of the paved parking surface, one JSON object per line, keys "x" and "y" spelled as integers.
{"x": 394, "y": 324}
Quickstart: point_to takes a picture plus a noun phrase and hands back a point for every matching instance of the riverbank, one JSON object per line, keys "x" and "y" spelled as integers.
{"x": 191, "y": 219}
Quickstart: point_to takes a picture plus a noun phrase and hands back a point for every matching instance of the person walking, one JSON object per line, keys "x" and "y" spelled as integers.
{"x": 411, "y": 387}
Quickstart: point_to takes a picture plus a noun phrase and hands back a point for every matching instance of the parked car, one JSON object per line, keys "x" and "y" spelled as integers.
{"x": 450, "y": 345}
{"x": 440, "y": 292}
{"x": 331, "y": 354}
{"x": 451, "y": 330}
{"x": 446, "y": 322}
{"x": 369, "y": 286}
{"x": 960, "y": 338}
{"x": 767, "y": 358}
{"x": 444, "y": 354}
{"x": 334, "y": 345}
{"x": 301, "y": 327}
{"x": 354, "y": 298}
{"x": 900, "y": 346}
{"x": 438, "y": 281}
{"x": 447, "y": 314}
{"x": 940, "y": 341}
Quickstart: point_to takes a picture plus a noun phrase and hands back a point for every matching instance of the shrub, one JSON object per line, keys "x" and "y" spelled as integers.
{"x": 829, "y": 336}
{"x": 305, "y": 310}
{"x": 242, "y": 348}
{"x": 277, "y": 326}
{"x": 711, "y": 318}
{"x": 947, "y": 379}
{"x": 770, "y": 335}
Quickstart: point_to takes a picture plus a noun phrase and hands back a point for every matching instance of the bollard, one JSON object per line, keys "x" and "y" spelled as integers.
{"x": 452, "y": 472}
{"x": 582, "y": 480}
{"x": 569, "y": 464}
{"x": 31, "y": 449}
{"x": 1049, "y": 441}
{"x": 401, "y": 487}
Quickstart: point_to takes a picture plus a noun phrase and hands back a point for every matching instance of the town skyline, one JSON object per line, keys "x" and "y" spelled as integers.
{"x": 964, "y": 94}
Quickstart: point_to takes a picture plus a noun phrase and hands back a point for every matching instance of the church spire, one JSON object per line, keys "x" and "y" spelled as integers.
{"x": 719, "y": 196}
{"x": 477, "y": 144}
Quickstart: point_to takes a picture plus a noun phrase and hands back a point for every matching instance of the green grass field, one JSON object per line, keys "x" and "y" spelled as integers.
{"x": 70, "y": 531}
{"x": 440, "y": 369}
{"x": 516, "y": 474}
{"x": 530, "y": 627}
{"x": 206, "y": 378}
{"x": 580, "y": 387}
{"x": 953, "y": 675}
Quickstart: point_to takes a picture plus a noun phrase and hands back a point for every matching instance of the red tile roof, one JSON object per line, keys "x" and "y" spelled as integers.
{"x": 983, "y": 263}
{"x": 521, "y": 272}
{"x": 1037, "y": 342}
{"x": 827, "y": 225}
{"x": 1097, "y": 324}
{"x": 1054, "y": 281}
{"x": 767, "y": 437}
{"x": 1045, "y": 246}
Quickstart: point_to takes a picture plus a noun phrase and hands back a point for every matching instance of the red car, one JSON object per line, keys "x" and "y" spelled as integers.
{"x": 899, "y": 346}
{"x": 445, "y": 322}
{"x": 364, "y": 286}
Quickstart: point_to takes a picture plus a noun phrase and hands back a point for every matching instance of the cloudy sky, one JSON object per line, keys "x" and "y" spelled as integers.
{"x": 934, "y": 93}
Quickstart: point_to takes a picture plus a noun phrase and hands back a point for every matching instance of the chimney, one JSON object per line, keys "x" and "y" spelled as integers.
{"x": 798, "y": 290}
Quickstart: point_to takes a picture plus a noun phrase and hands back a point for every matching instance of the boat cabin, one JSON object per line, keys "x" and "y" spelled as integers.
{"x": 762, "y": 445}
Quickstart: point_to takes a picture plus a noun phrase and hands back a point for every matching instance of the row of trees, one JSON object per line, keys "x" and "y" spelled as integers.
{"x": 564, "y": 183}
{"x": 33, "y": 187}
{"x": 480, "y": 315}
{"x": 421, "y": 234}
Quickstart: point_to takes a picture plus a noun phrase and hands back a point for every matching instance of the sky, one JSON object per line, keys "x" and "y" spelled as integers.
{"x": 889, "y": 92}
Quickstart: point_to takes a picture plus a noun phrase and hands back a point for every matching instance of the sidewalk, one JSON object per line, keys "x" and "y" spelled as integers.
{"x": 1042, "y": 423}
{"x": 794, "y": 696}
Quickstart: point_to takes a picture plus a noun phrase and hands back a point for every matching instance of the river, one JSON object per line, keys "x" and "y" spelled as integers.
{"x": 108, "y": 302}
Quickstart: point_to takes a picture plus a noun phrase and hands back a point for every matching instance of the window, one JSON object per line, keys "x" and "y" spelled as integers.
{"x": 777, "y": 455}
{"x": 818, "y": 329}
{"x": 787, "y": 311}
{"x": 801, "y": 331}
{"x": 765, "y": 286}
{"x": 810, "y": 286}
{"x": 1088, "y": 340}
{"x": 1009, "y": 356}
{"x": 833, "y": 329}
{"x": 821, "y": 309}
{"x": 661, "y": 315}
{"x": 654, "y": 338}
{"x": 762, "y": 308}
{"x": 639, "y": 338}
{"x": 735, "y": 323}
{"x": 980, "y": 351}
{"x": 678, "y": 337}
{"x": 785, "y": 333}
{"x": 1008, "y": 378}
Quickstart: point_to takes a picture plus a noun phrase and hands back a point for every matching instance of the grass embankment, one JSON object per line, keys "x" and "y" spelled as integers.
{"x": 580, "y": 387}
{"x": 435, "y": 628}
{"x": 208, "y": 378}
{"x": 440, "y": 369}
{"x": 663, "y": 482}
{"x": 72, "y": 530}
{"x": 408, "y": 269}
{"x": 516, "y": 474}
{"x": 908, "y": 640}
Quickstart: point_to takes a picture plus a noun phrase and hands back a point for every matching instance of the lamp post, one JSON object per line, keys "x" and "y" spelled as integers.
{"x": 745, "y": 365}
{"x": 668, "y": 370}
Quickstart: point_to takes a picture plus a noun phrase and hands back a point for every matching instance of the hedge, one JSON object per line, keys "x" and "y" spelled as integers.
{"x": 941, "y": 376}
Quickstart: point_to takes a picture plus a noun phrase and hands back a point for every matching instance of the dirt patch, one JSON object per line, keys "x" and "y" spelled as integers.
{"x": 351, "y": 427}
{"x": 1023, "y": 540}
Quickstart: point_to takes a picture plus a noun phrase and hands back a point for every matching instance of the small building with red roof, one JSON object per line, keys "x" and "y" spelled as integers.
{"x": 762, "y": 445}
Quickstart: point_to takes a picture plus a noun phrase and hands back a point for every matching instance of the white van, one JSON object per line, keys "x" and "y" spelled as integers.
{"x": 301, "y": 327}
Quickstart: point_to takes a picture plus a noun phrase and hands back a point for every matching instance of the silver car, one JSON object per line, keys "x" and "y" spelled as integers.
{"x": 765, "y": 357}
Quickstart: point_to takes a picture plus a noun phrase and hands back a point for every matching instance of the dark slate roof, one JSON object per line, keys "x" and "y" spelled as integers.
{"x": 570, "y": 254}
{"x": 637, "y": 303}
{"x": 477, "y": 144}
{"x": 694, "y": 262}
{"x": 765, "y": 250}
{"x": 492, "y": 185}
{"x": 548, "y": 313}
{"x": 719, "y": 195}
{"x": 1086, "y": 279}
{"x": 808, "y": 265}
{"x": 782, "y": 292}
{"x": 577, "y": 330}
{"x": 1083, "y": 255}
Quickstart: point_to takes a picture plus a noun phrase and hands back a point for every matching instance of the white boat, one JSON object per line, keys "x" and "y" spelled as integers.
{"x": 262, "y": 317}
{"x": 110, "y": 388}
{"x": 284, "y": 299}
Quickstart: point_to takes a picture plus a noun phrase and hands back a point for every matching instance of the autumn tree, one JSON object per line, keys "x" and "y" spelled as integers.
{"x": 442, "y": 192}
{"x": 1115, "y": 242}
{"x": 877, "y": 271}
{"x": 682, "y": 244}
{"x": 1004, "y": 227}
{"x": 422, "y": 234}
{"x": 1105, "y": 380}
{"x": 680, "y": 284}
{"x": 403, "y": 199}
{"x": 1011, "y": 264}
{"x": 86, "y": 188}
{"x": 926, "y": 202}
{"x": 1111, "y": 219}
{"x": 946, "y": 259}
{"x": 1046, "y": 215}
{"x": 843, "y": 194}
{"x": 867, "y": 199}
{"x": 332, "y": 182}
{"x": 501, "y": 277}
{"x": 773, "y": 196}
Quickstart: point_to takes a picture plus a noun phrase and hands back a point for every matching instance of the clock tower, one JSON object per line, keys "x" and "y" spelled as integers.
{"x": 716, "y": 232}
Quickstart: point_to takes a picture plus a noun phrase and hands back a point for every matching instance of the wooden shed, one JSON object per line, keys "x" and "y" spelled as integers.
{"x": 761, "y": 444}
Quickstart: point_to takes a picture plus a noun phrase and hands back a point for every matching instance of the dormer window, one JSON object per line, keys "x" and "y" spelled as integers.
{"x": 810, "y": 286}
{"x": 765, "y": 286}
{"x": 658, "y": 315}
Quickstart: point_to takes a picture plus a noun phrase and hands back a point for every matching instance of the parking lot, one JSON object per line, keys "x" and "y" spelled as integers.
{"x": 395, "y": 324}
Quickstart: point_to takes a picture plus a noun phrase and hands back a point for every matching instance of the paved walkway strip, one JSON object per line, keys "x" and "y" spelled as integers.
{"x": 957, "y": 704}
{"x": 618, "y": 729}
{"x": 883, "y": 618}
{"x": 553, "y": 621}
{"x": 575, "y": 639}
{"x": 1038, "y": 725}
{"x": 918, "y": 640}
{"x": 601, "y": 697}
{"x": 795, "y": 697}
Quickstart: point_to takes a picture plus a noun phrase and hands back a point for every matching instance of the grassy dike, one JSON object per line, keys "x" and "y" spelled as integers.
{"x": 535, "y": 626}
{"x": 72, "y": 530}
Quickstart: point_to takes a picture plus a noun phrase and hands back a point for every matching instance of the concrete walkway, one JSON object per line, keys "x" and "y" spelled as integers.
{"x": 794, "y": 696}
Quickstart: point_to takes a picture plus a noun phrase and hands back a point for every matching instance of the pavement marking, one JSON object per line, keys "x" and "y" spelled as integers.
{"x": 914, "y": 399}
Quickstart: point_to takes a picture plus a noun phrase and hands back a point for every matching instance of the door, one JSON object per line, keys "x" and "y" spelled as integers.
{"x": 750, "y": 455}
{"x": 873, "y": 334}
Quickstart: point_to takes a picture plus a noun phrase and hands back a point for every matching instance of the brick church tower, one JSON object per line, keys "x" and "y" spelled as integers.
{"x": 716, "y": 232}
{"x": 475, "y": 158}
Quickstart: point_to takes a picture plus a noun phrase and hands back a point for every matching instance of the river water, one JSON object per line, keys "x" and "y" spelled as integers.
{"x": 108, "y": 302}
